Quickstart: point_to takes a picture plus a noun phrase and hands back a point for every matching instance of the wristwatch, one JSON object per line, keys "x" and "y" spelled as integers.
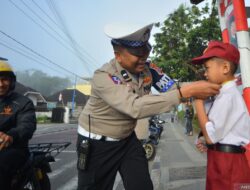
{"x": 182, "y": 99}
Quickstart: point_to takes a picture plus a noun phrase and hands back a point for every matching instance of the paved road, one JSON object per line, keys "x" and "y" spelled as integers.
{"x": 64, "y": 173}
{"x": 177, "y": 165}
{"x": 181, "y": 165}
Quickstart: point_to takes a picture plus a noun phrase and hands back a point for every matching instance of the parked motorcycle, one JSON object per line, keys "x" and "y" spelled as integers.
{"x": 149, "y": 148}
{"x": 34, "y": 174}
{"x": 155, "y": 128}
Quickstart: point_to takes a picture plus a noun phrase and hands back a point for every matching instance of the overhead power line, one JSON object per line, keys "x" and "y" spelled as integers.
{"x": 46, "y": 23}
{"x": 51, "y": 7}
{"x": 66, "y": 31}
{"x": 51, "y": 35}
{"x": 27, "y": 56}
{"x": 38, "y": 54}
{"x": 44, "y": 12}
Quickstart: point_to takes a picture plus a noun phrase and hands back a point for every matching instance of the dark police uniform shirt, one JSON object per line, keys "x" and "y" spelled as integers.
{"x": 118, "y": 99}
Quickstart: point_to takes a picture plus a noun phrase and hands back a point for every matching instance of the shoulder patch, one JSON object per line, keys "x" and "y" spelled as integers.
{"x": 156, "y": 68}
{"x": 115, "y": 79}
{"x": 164, "y": 84}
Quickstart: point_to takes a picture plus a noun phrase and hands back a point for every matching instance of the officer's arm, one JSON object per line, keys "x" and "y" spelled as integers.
{"x": 122, "y": 98}
{"x": 199, "y": 89}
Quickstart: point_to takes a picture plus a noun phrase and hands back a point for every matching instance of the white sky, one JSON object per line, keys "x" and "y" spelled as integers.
{"x": 85, "y": 20}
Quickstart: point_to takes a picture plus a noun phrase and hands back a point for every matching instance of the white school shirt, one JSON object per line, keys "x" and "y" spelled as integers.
{"x": 229, "y": 120}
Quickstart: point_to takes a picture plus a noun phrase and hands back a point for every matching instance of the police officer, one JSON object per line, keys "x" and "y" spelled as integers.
{"x": 120, "y": 96}
{"x": 17, "y": 125}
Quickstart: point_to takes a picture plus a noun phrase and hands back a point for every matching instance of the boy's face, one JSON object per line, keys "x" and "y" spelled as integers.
{"x": 215, "y": 71}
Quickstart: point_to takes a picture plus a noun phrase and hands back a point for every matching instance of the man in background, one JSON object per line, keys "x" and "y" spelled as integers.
{"x": 17, "y": 125}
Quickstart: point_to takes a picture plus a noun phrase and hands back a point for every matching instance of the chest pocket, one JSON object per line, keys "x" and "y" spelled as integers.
{"x": 141, "y": 86}
{"x": 145, "y": 88}
{"x": 147, "y": 82}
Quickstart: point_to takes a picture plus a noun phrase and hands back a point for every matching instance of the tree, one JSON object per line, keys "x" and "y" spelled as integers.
{"x": 184, "y": 35}
{"x": 42, "y": 82}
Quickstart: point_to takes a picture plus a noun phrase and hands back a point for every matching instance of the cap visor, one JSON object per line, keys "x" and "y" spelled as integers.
{"x": 201, "y": 59}
{"x": 140, "y": 51}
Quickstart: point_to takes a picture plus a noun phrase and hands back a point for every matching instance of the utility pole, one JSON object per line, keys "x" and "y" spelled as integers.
{"x": 244, "y": 47}
{"x": 234, "y": 27}
{"x": 73, "y": 97}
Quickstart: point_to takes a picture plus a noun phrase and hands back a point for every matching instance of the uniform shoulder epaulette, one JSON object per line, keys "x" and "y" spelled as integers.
{"x": 125, "y": 76}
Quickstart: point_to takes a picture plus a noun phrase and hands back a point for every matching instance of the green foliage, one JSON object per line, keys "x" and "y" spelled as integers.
{"x": 195, "y": 123}
{"x": 42, "y": 82}
{"x": 184, "y": 35}
{"x": 180, "y": 115}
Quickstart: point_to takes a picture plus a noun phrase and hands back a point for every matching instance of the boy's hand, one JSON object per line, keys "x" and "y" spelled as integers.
{"x": 201, "y": 146}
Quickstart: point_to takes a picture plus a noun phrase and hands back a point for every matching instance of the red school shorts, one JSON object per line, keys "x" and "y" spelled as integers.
{"x": 227, "y": 171}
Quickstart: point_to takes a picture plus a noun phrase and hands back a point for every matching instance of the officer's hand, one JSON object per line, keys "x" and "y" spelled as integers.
{"x": 5, "y": 140}
{"x": 200, "y": 89}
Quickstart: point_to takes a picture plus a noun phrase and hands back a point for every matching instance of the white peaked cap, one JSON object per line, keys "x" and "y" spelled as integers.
{"x": 130, "y": 32}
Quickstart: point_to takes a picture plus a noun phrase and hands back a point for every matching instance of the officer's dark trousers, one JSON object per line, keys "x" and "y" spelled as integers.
{"x": 11, "y": 159}
{"x": 107, "y": 157}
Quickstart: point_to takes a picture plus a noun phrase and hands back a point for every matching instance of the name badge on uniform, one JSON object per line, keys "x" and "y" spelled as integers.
{"x": 125, "y": 76}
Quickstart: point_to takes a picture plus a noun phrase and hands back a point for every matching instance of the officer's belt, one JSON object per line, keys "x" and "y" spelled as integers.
{"x": 226, "y": 148}
{"x": 94, "y": 136}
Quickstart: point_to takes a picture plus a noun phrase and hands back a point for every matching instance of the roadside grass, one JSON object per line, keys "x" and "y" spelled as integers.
{"x": 43, "y": 119}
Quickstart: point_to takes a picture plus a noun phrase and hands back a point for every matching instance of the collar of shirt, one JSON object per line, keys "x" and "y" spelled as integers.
{"x": 227, "y": 85}
{"x": 135, "y": 78}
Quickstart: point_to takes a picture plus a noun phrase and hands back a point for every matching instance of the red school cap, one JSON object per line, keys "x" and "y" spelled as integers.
{"x": 221, "y": 50}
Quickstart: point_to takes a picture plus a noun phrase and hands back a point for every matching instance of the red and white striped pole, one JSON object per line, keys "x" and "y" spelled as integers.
{"x": 244, "y": 47}
{"x": 222, "y": 19}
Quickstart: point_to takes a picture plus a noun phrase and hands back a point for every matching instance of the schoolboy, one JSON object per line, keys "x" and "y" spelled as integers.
{"x": 226, "y": 123}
